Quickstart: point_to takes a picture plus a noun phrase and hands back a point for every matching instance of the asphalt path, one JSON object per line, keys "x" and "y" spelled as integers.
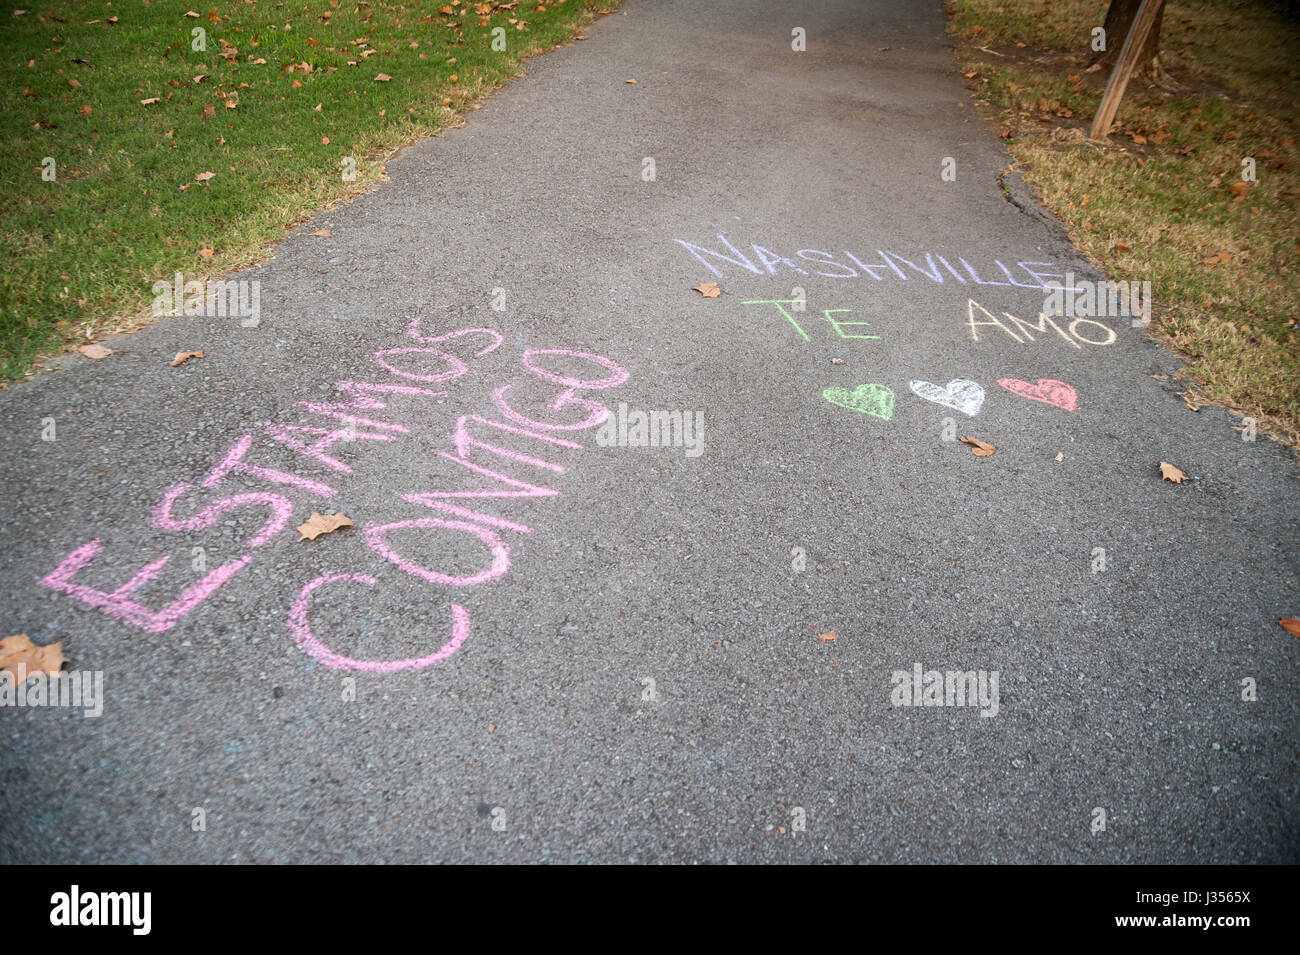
{"x": 658, "y": 654}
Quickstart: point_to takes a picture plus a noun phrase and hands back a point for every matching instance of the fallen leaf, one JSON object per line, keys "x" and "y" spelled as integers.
{"x": 382, "y": 78}
{"x": 206, "y": 253}
{"x": 1170, "y": 473}
{"x": 150, "y": 101}
{"x": 781, "y": 829}
{"x": 1239, "y": 190}
{"x": 981, "y": 449}
{"x": 324, "y": 140}
{"x": 319, "y": 524}
{"x": 1290, "y": 624}
{"x": 209, "y": 110}
{"x": 203, "y": 176}
{"x": 19, "y": 650}
{"x": 95, "y": 351}
{"x": 1123, "y": 247}
{"x": 630, "y": 81}
{"x": 1060, "y": 456}
{"x": 708, "y": 289}
{"x": 828, "y": 636}
{"x": 183, "y": 356}
{"x": 323, "y": 233}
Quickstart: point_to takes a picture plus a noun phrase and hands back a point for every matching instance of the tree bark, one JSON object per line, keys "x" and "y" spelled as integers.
{"x": 1119, "y": 17}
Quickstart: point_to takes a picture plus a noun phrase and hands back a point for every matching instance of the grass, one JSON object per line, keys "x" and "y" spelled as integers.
{"x": 1165, "y": 200}
{"x": 283, "y": 96}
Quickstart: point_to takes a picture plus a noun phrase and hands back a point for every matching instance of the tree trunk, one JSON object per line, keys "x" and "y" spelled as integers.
{"x": 1119, "y": 17}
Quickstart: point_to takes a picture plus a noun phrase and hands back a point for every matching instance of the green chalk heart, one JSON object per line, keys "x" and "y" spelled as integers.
{"x": 875, "y": 400}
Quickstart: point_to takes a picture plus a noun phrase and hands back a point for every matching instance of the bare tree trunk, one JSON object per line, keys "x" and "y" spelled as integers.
{"x": 1119, "y": 17}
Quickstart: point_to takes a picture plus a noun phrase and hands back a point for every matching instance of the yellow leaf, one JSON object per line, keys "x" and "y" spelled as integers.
{"x": 981, "y": 449}
{"x": 1170, "y": 473}
{"x": 19, "y": 651}
{"x": 319, "y": 524}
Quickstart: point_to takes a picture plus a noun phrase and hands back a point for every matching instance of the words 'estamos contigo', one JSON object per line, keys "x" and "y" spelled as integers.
{"x": 366, "y": 417}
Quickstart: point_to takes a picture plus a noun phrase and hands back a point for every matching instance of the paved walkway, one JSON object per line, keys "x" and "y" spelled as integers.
{"x": 539, "y": 643}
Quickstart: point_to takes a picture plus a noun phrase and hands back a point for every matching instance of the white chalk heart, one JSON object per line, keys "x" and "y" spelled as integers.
{"x": 961, "y": 394}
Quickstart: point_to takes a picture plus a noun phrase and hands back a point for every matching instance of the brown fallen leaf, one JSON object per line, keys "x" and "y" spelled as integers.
{"x": 150, "y": 101}
{"x": 1170, "y": 473}
{"x": 1239, "y": 189}
{"x": 382, "y": 78}
{"x": 19, "y": 650}
{"x": 95, "y": 351}
{"x": 708, "y": 289}
{"x": 323, "y": 233}
{"x": 1123, "y": 247}
{"x": 981, "y": 449}
{"x": 1291, "y": 625}
{"x": 206, "y": 253}
{"x": 319, "y": 524}
{"x": 630, "y": 81}
{"x": 183, "y": 356}
{"x": 203, "y": 176}
{"x": 828, "y": 636}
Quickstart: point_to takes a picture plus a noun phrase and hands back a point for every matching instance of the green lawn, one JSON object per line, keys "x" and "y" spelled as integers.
{"x": 281, "y": 98}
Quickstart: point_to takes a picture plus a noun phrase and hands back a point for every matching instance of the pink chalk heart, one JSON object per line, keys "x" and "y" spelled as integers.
{"x": 1048, "y": 390}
